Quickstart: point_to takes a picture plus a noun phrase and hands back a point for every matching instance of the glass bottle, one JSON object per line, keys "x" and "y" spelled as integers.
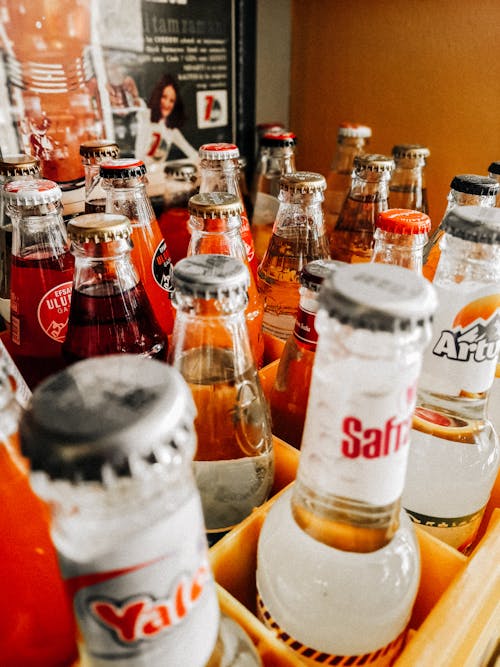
{"x": 12, "y": 167}
{"x": 494, "y": 172}
{"x": 220, "y": 172}
{"x": 400, "y": 237}
{"x": 124, "y": 181}
{"x": 92, "y": 154}
{"x": 298, "y": 237}
{"x": 245, "y": 192}
{"x": 408, "y": 188}
{"x": 215, "y": 229}
{"x": 41, "y": 277}
{"x": 290, "y": 390}
{"x": 276, "y": 157}
{"x": 352, "y": 139}
{"x": 233, "y": 463}
{"x": 36, "y": 622}
{"x": 110, "y": 311}
{"x": 351, "y": 240}
{"x": 338, "y": 560}
{"x": 181, "y": 183}
{"x": 494, "y": 397}
{"x": 465, "y": 190}
{"x": 110, "y": 441}
{"x": 455, "y": 454}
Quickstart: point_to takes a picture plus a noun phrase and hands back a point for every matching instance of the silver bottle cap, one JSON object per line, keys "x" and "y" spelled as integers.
{"x": 355, "y": 130}
{"x": 302, "y": 182}
{"x": 32, "y": 192}
{"x": 115, "y": 413}
{"x": 313, "y": 273}
{"x": 210, "y": 276}
{"x": 479, "y": 224}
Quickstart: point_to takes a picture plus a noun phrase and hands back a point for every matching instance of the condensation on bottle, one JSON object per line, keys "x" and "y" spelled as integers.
{"x": 400, "y": 237}
{"x": 454, "y": 454}
{"x": 110, "y": 311}
{"x": 234, "y": 460}
{"x": 93, "y": 153}
{"x": 341, "y": 525}
{"x": 408, "y": 186}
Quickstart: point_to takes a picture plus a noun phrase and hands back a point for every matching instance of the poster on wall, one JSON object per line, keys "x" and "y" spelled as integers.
{"x": 159, "y": 77}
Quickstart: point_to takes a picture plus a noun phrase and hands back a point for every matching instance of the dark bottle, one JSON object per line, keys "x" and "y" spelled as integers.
{"x": 110, "y": 312}
{"x": 408, "y": 188}
{"x": 93, "y": 153}
{"x": 351, "y": 240}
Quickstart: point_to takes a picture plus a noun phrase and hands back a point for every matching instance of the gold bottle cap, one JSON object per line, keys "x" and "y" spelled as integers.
{"x": 303, "y": 181}
{"x": 215, "y": 205}
{"x": 99, "y": 148}
{"x": 410, "y": 152}
{"x": 20, "y": 164}
{"x": 374, "y": 162}
{"x": 99, "y": 227}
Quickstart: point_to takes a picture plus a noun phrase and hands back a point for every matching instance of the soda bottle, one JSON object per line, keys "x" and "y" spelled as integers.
{"x": 110, "y": 441}
{"x": 465, "y": 190}
{"x": 351, "y": 240}
{"x": 215, "y": 229}
{"x": 12, "y": 167}
{"x": 352, "y": 139}
{"x": 41, "y": 277}
{"x": 338, "y": 562}
{"x": 245, "y": 192}
{"x": 455, "y": 455}
{"x": 124, "y": 180}
{"x": 290, "y": 390}
{"x": 219, "y": 172}
{"x": 110, "y": 311}
{"x": 36, "y": 622}
{"x": 234, "y": 463}
{"x": 494, "y": 397}
{"x": 407, "y": 188}
{"x": 93, "y": 153}
{"x": 260, "y": 153}
{"x": 494, "y": 172}
{"x": 298, "y": 237}
{"x": 277, "y": 157}
{"x": 400, "y": 237}
{"x": 52, "y": 79}
{"x": 181, "y": 183}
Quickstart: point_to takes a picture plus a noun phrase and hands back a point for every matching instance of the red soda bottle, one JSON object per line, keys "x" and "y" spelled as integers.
{"x": 124, "y": 181}
{"x": 41, "y": 277}
{"x": 110, "y": 311}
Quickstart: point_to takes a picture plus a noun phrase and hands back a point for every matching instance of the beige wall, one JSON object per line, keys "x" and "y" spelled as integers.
{"x": 416, "y": 71}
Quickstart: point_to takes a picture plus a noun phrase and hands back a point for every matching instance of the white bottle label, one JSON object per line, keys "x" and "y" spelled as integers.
{"x": 462, "y": 356}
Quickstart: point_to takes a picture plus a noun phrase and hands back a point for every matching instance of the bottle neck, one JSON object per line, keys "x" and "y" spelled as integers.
{"x": 104, "y": 268}
{"x": 347, "y": 149}
{"x": 277, "y": 161}
{"x": 217, "y": 235}
{"x": 299, "y": 212}
{"x": 129, "y": 197}
{"x": 39, "y": 230}
{"x": 401, "y": 249}
{"x": 353, "y": 459}
{"x": 220, "y": 176}
{"x": 370, "y": 187}
{"x": 457, "y": 198}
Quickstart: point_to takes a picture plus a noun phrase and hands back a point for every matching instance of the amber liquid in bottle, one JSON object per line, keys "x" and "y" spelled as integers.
{"x": 352, "y": 239}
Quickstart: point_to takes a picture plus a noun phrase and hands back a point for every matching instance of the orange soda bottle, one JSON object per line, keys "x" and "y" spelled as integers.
{"x": 400, "y": 237}
{"x": 124, "y": 180}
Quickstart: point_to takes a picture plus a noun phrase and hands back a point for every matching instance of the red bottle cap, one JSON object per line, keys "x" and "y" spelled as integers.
{"x": 279, "y": 139}
{"x": 122, "y": 168}
{"x": 404, "y": 221}
{"x": 219, "y": 151}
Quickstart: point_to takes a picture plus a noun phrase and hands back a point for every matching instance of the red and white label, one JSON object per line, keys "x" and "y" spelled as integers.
{"x": 53, "y": 311}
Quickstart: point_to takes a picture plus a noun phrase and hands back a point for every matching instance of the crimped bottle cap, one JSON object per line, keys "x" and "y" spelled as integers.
{"x": 313, "y": 273}
{"x": 378, "y": 297}
{"x": 99, "y": 228}
{"x": 99, "y": 148}
{"x": 20, "y": 164}
{"x": 473, "y": 184}
{"x": 182, "y": 171}
{"x": 479, "y": 224}
{"x": 215, "y": 205}
{"x": 278, "y": 139}
{"x": 118, "y": 413}
{"x": 494, "y": 168}
{"x": 32, "y": 192}
{"x": 210, "y": 276}
{"x": 410, "y": 152}
{"x": 219, "y": 151}
{"x": 302, "y": 181}
{"x": 122, "y": 168}
{"x": 347, "y": 129}
{"x": 403, "y": 221}
{"x": 373, "y": 162}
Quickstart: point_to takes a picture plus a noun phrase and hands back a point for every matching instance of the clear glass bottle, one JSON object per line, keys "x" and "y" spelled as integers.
{"x": 41, "y": 277}
{"x": 36, "y": 621}
{"x": 276, "y": 157}
{"x": 234, "y": 462}
{"x": 352, "y": 139}
{"x": 454, "y": 453}
{"x": 338, "y": 561}
{"x": 181, "y": 183}
{"x": 494, "y": 172}
{"x": 116, "y": 471}
{"x": 215, "y": 224}
{"x": 245, "y": 192}
{"x": 220, "y": 172}
{"x": 124, "y": 181}
{"x": 408, "y": 188}
{"x": 93, "y": 153}
{"x": 465, "y": 190}
{"x": 298, "y": 237}
{"x": 290, "y": 390}
{"x": 110, "y": 311}
{"x": 351, "y": 240}
{"x": 494, "y": 397}
{"x": 12, "y": 167}
{"x": 400, "y": 237}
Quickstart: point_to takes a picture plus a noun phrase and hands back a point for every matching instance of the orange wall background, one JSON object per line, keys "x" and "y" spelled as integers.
{"x": 416, "y": 71}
